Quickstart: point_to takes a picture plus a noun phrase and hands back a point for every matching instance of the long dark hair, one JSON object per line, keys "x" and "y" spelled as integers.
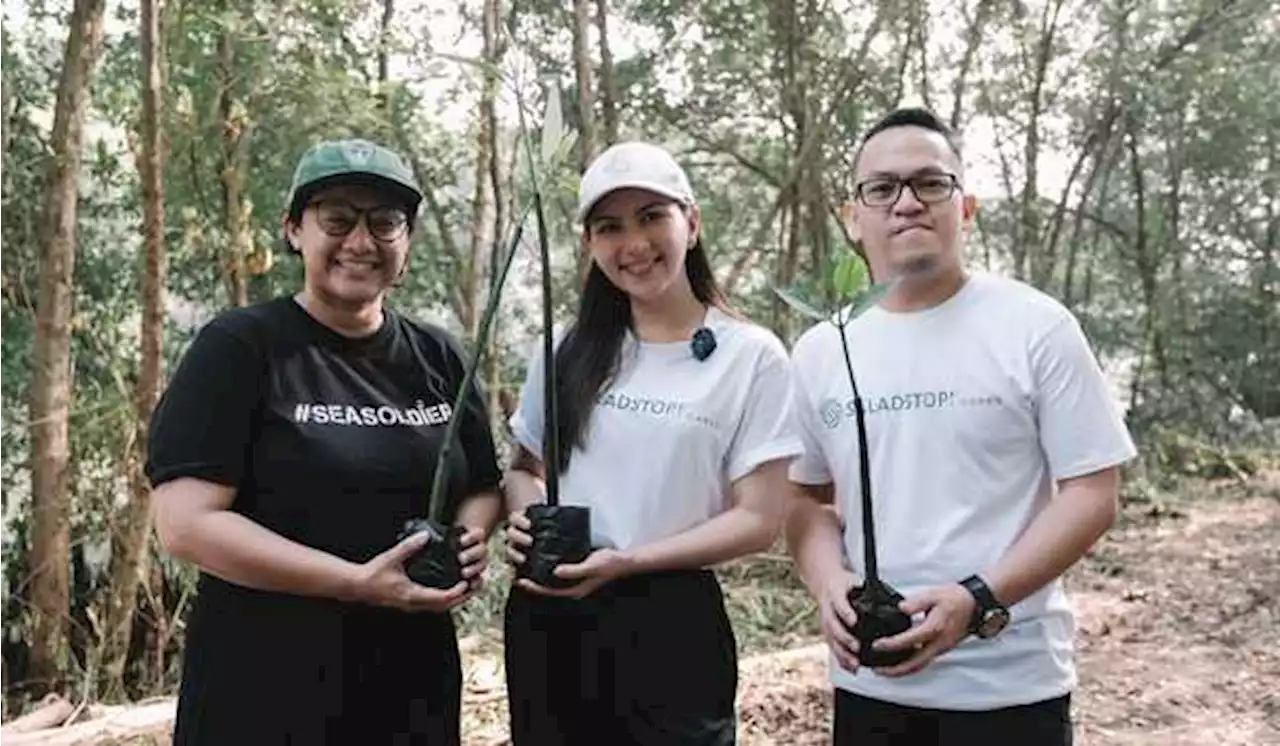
{"x": 588, "y": 357}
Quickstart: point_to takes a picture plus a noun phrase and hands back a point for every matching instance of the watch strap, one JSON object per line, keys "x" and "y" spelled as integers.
{"x": 986, "y": 600}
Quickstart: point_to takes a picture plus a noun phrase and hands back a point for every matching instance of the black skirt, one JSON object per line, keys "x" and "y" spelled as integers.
{"x": 264, "y": 668}
{"x": 645, "y": 660}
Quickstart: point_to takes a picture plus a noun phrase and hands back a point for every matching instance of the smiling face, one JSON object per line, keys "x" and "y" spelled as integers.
{"x": 908, "y": 232}
{"x": 354, "y": 242}
{"x": 639, "y": 240}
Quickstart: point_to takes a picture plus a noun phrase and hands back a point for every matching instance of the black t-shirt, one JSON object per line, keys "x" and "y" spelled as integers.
{"x": 330, "y": 441}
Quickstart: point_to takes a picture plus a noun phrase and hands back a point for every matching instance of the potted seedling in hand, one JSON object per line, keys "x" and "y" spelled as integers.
{"x": 436, "y": 564}
{"x": 874, "y": 601}
{"x": 561, "y": 533}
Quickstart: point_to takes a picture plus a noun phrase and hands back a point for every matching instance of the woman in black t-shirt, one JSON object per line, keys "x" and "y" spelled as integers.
{"x": 294, "y": 440}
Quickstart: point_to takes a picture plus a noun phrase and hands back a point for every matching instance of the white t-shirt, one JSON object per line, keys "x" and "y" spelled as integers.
{"x": 670, "y": 433}
{"x": 973, "y": 408}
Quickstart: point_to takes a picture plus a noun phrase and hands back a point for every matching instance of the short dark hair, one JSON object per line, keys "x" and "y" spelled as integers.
{"x": 911, "y": 117}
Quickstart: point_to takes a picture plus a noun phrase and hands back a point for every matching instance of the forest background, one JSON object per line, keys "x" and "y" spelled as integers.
{"x": 1126, "y": 155}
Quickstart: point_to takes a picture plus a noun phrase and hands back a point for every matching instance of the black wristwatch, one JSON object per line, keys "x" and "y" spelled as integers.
{"x": 989, "y": 615}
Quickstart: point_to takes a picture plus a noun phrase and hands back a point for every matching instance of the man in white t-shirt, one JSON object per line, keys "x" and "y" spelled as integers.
{"x": 994, "y": 450}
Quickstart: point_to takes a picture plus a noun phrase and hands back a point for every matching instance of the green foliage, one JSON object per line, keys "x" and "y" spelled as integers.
{"x": 853, "y": 288}
{"x": 850, "y": 276}
{"x": 1175, "y": 453}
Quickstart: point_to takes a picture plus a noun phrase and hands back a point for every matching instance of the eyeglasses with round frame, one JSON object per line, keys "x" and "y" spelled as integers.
{"x": 928, "y": 188}
{"x": 384, "y": 222}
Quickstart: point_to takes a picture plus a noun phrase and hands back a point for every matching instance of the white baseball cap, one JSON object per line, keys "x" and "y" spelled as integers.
{"x": 638, "y": 165}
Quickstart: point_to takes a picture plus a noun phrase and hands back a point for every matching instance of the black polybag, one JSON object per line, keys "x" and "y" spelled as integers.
{"x": 436, "y": 564}
{"x": 561, "y": 535}
{"x": 876, "y": 604}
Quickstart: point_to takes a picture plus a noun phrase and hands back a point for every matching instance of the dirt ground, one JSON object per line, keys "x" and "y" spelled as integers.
{"x": 1179, "y": 641}
{"x": 1179, "y": 637}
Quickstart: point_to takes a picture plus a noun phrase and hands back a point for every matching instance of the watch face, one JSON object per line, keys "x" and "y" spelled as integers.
{"x": 992, "y": 622}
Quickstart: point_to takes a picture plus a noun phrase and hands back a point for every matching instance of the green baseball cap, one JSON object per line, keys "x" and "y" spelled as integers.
{"x": 353, "y": 161}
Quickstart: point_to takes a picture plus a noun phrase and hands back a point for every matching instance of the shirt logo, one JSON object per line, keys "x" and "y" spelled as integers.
{"x": 835, "y": 412}
{"x": 831, "y": 411}
{"x": 385, "y": 416}
{"x": 663, "y": 408}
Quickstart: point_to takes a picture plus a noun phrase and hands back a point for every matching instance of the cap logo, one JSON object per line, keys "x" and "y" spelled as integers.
{"x": 358, "y": 153}
{"x": 623, "y": 164}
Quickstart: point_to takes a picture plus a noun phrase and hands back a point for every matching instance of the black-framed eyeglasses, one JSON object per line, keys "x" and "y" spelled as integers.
{"x": 384, "y": 222}
{"x": 928, "y": 188}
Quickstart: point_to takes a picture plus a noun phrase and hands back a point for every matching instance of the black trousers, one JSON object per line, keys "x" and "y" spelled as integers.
{"x": 291, "y": 672}
{"x": 646, "y": 660}
{"x": 861, "y": 721}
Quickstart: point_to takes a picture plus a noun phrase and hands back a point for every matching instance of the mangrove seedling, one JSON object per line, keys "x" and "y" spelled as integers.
{"x": 561, "y": 533}
{"x": 874, "y": 601}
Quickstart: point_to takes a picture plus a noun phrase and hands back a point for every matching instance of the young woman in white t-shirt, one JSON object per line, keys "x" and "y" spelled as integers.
{"x": 681, "y": 457}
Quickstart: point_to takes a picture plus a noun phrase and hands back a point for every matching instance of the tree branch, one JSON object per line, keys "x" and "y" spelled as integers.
{"x": 847, "y": 83}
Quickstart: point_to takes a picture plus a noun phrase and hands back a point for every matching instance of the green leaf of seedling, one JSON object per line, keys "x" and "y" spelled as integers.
{"x": 792, "y": 299}
{"x": 865, "y": 300}
{"x": 564, "y": 150}
{"x": 850, "y": 276}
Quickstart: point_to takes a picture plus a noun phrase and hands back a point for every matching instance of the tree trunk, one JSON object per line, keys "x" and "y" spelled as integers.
{"x": 1265, "y": 399}
{"x": 1099, "y": 174}
{"x": 1043, "y": 270}
{"x": 132, "y": 527}
{"x": 973, "y": 39}
{"x": 1107, "y": 156}
{"x": 51, "y": 380}
{"x": 384, "y": 53}
{"x": 921, "y": 41}
{"x": 162, "y": 623}
{"x": 586, "y": 96}
{"x": 480, "y": 251}
{"x": 1170, "y": 250}
{"x": 7, "y": 101}
{"x": 235, "y": 211}
{"x": 1028, "y": 238}
{"x": 586, "y": 86}
{"x": 789, "y": 69}
{"x": 494, "y": 48}
{"x": 1147, "y": 265}
{"x": 904, "y": 63}
{"x": 608, "y": 85}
